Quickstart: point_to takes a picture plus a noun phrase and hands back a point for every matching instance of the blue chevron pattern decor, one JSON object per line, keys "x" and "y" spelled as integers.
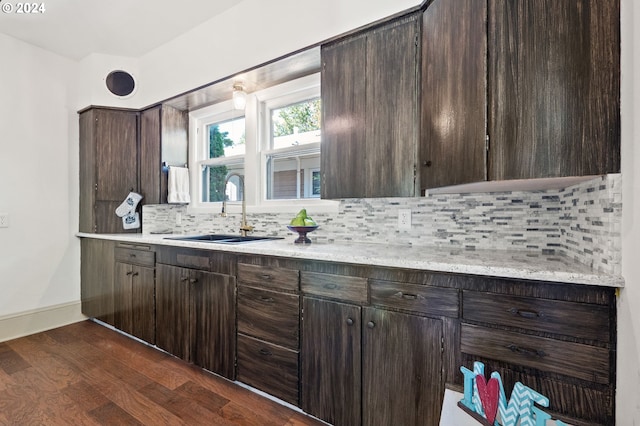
{"x": 519, "y": 410}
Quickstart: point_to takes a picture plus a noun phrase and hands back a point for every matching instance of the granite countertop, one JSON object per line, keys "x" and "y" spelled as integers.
{"x": 496, "y": 263}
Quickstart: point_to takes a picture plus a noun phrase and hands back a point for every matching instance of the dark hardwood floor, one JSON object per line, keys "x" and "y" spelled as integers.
{"x": 87, "y": 374}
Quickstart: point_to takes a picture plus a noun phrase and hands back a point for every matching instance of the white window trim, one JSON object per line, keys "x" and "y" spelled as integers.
{"x": 256, "y": 137}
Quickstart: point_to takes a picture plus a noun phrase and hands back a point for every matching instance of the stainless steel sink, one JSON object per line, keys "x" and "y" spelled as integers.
{"x": 223, "y": 238}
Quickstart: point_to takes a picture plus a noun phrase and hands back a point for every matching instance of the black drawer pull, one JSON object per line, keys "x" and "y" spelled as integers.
{"x": 266, "y": 299}
{"x": 183, "y": 279}
{"x": 129, "y": 272}
{"x": 371, "y": 324}
{"x": 132, "y": 255}
{"x": 527, "y": 351}
{"x": 525, "y": 314}
{"x": 135, "y": 274}
{"x": 266, "y": 277}
{"x": 408, "y": 296}
{"x": 349, "y": 321}
{"x": 193, "y": 280}
{"x": 265, "y": 352}
{"x": 331, "y": 286}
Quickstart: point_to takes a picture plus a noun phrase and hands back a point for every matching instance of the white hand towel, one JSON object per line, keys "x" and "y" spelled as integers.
{"x": 178, "y": 185}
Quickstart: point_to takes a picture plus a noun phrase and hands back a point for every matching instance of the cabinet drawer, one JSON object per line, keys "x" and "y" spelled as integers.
{"x": 269, "y": 315}
{"x": 268, "y": 277}
{"x": 185, "y": 257}
{"x": 270, "y": 368}
{"x": 418, "y": 298}
{"x": 571, "y": 359}
{"x": 580, "y": 320}
{"x": 135, "y": 257}
{"x": 334, "y": 286}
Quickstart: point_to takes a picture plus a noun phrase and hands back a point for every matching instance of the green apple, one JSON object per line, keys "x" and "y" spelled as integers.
{"x": 297, "y": 221}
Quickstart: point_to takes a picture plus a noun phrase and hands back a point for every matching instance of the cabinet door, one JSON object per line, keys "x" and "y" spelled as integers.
{"x": 213, "y": 329}
{"x": 87, "y": 155}
{"x": 554, "y": 80}
{"x": 96, "y": 279}
{"x": 116, "y": 154}
{"x": 392, "y": 110}
{"x": 108, "y": 167}
{"x": 150, "y": 160}
{"x": 122, "y": 295}
{"x": 163, "y": 138}
{"x": 172, "y": 310}
{"x": 143, "y": 310}
{"x": 402, "y": 369}
{"x": 331, "y": 361}
{"x": 454, "y": 69}
{"x": 344, "y": 102}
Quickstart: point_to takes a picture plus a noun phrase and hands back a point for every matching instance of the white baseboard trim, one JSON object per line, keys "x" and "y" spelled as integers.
{"x": 37, "y": 320}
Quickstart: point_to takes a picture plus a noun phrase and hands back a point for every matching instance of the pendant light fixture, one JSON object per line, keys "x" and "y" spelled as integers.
{"x": 239, "y": 96}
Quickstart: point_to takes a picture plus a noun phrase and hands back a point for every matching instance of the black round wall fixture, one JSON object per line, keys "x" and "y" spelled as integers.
{"x": 120, "y": 83}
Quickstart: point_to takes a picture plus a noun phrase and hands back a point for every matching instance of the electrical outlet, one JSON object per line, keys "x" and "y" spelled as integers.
{"x": 4, "y": 220}
{"x": 404, "y": 219}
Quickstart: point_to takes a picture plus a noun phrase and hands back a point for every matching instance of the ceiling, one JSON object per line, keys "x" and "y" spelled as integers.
{"x": 130, "y": 28}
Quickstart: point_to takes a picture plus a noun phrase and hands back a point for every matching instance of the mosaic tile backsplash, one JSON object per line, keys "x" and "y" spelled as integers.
{"x": 581, "y": 221}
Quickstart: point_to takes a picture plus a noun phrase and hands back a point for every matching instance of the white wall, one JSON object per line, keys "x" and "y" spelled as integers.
{"x": 628, "y": 392}
{"x": 253, "y": 32}
{"x": 91, "y": 82}
{"x": 39, "y": 255}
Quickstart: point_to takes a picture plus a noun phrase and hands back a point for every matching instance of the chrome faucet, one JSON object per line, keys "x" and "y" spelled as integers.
{"x": 244, "y": 227}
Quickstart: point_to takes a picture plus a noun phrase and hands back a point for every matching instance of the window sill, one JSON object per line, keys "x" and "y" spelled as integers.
{"x": 273, "y": 206}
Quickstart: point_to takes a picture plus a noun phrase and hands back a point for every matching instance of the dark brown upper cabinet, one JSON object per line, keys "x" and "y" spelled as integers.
{"x": 453, "y": 93}
{"x": 108, "y": 166}
{"x": 554, "y": 88}
{"x": 122, "y": 150}
{"x": 163, "y": 139}
{"x": 370, "y": 112}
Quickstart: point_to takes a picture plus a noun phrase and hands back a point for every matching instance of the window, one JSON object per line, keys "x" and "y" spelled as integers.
{"x": 225, "y": 157}
{"x": 294, "y": 150}
{"x": 274, "y": 146}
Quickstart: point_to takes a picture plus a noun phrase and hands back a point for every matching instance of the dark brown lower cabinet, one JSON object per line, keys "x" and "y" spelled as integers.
{"x": 96, "y": 279}
{"x": 401, "y": 369}
{"x": 134, "y": 301}
{"x": 172, "y": 310}
{"x": 195, "y": 317}
{"x": 269, "y": 367}
{"x": 370, "y": 366}
{"x": 213, "y": 322}
{"x": 331, "y": 361}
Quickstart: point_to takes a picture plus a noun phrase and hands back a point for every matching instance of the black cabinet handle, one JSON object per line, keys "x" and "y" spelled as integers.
{"x": 409, "y": 296}
{"x": 265, "y": 352}
{"x": 427, "y": 163}
{"x": 349, "y": 321}
{"x": 527, "y": 351}
{"x": 132, "y": 255}
{"x": 331, "y": 286}
{"x": 183, "y": 279}
{"x": 135, "y": 274}
{"x": 193, "y": 280}
{"x": 266, "y": 299}
{"x": 265, "y": 276}
{"x": 371, "y": 324}
{"x": 525, "y": 314}
{"x": 129, "y": 272}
